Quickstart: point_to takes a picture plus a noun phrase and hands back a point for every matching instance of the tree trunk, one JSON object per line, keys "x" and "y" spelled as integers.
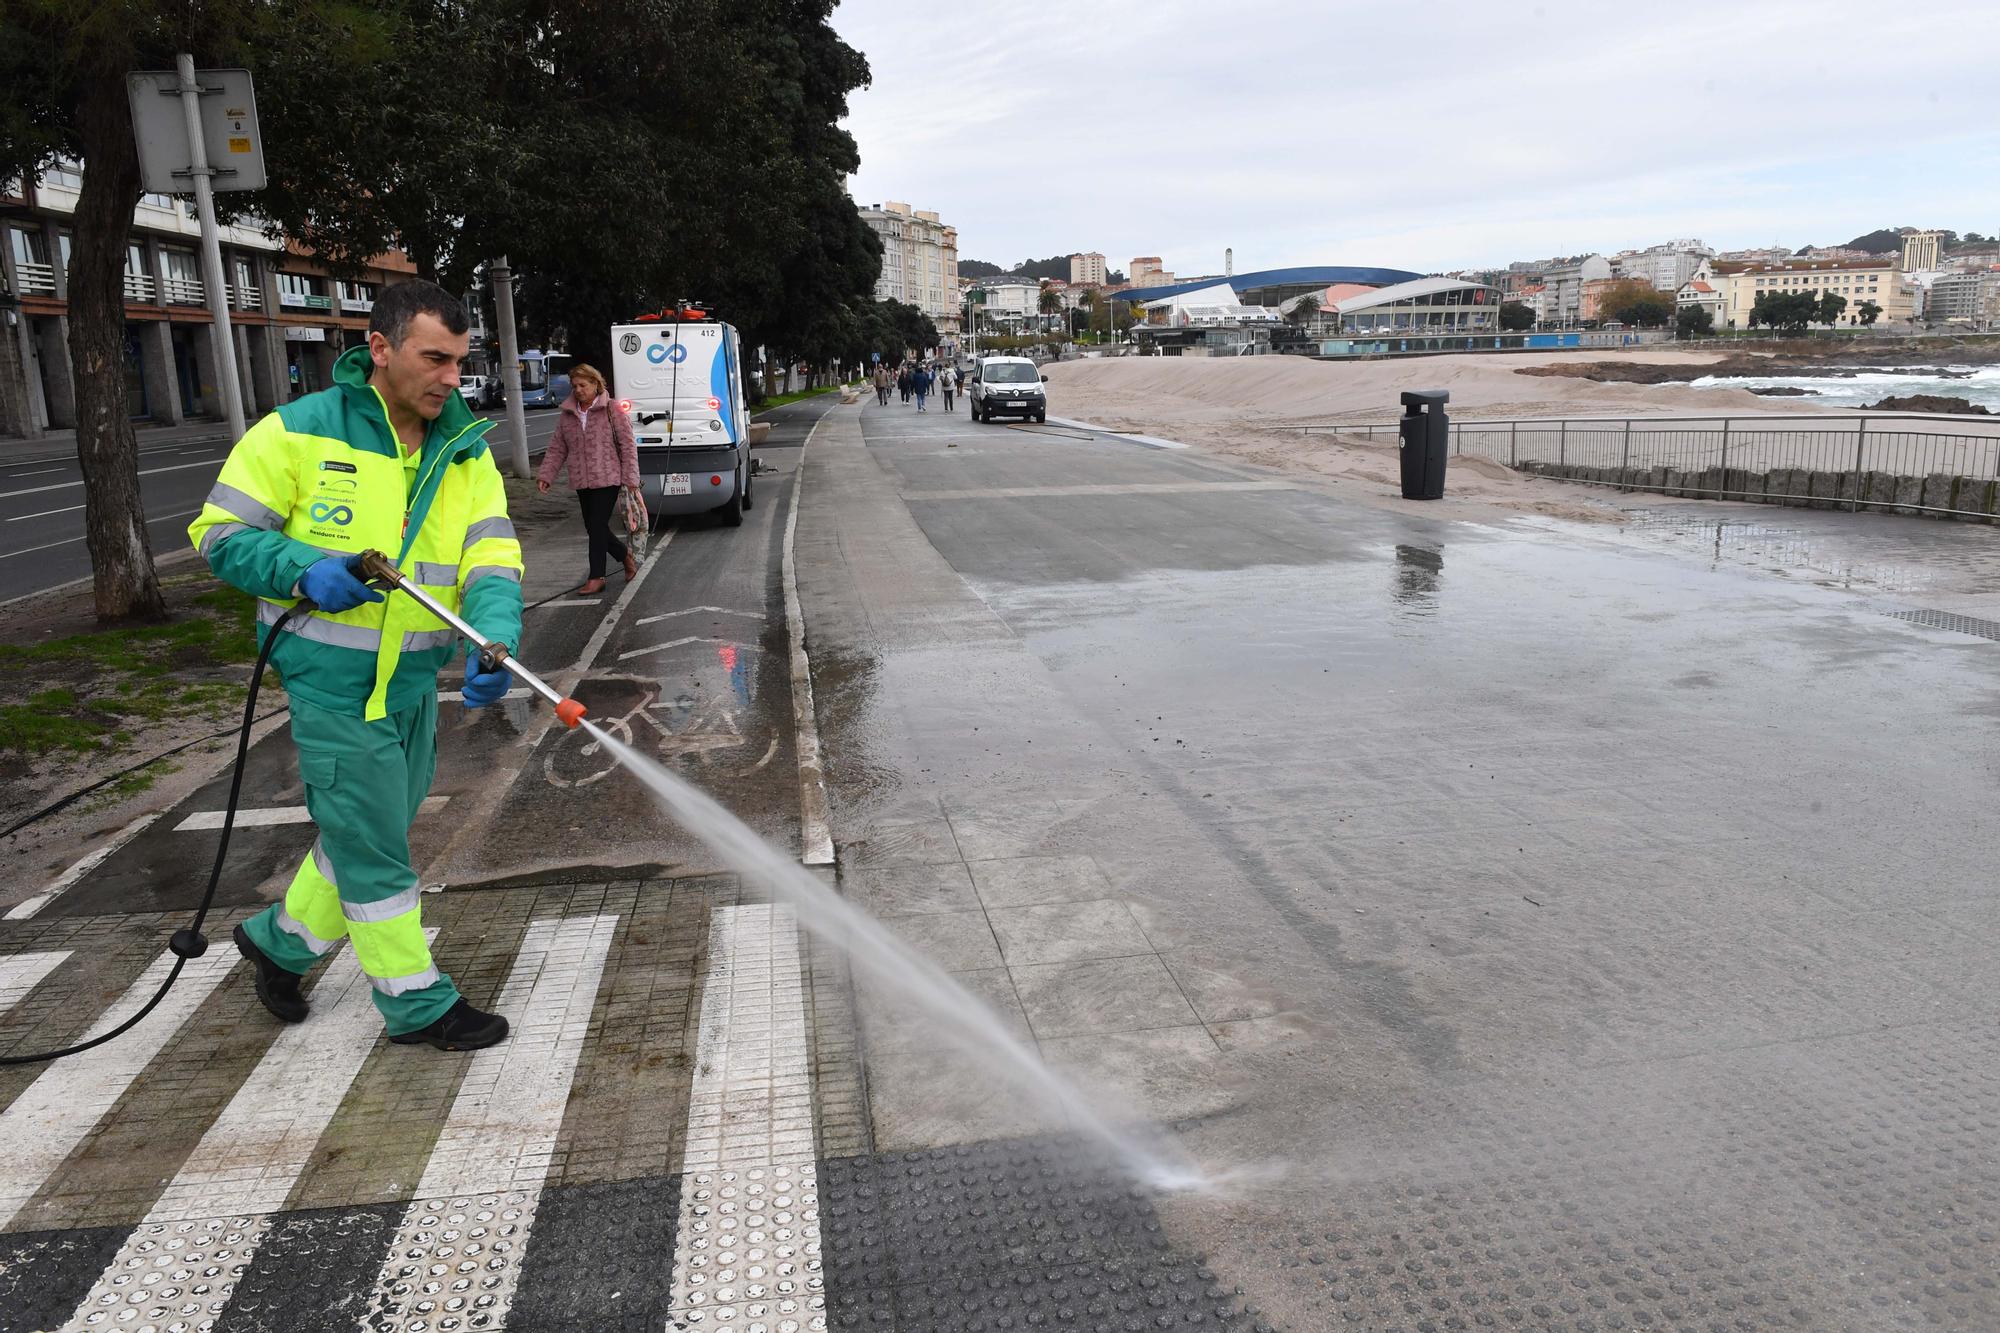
{"x": 114, "y": 517}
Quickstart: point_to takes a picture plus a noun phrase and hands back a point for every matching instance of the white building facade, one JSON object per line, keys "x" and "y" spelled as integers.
{"x": 1562, "y": 295}
{"x": 919, "y": 260}
{"x": 1667, "y": 266}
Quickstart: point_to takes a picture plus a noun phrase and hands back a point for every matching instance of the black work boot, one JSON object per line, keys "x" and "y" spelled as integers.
{"x": 462, "y": 1028}
{"x": 277, "y": 988}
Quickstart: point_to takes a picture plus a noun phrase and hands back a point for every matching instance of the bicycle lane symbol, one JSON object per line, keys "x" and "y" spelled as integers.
{"x": 702, "y": 725}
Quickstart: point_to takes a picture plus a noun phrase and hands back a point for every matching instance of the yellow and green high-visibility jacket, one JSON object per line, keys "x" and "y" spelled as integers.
{"x": 324, "y": 475}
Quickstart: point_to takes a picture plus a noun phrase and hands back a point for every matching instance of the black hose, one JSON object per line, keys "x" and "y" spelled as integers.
{"x": 188, "y": 942}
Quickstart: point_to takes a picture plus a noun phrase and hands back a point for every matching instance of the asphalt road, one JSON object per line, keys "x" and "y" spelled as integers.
{"x": 41, "y": 505}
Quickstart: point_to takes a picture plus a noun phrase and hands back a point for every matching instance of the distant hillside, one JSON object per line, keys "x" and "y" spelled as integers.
{"x": 1885, "y": 240}
{"x": 978, "y": 268}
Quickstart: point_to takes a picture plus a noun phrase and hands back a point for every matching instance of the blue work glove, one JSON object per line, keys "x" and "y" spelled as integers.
{"x": 332, "y": 585}
{"x": 484, "y": 687}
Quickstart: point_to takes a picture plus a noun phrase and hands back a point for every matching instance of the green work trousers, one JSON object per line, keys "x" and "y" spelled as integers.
{"x": 364, "y": 781}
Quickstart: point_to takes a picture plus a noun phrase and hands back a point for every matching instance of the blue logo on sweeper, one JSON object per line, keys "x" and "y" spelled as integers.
{"x": 678, "y": 354}
{"x": 656, "y": 353}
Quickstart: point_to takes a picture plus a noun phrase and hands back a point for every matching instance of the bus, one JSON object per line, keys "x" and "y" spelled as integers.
{"x": 544, "y": 378}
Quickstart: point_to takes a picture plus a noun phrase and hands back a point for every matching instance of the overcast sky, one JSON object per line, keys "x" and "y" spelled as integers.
{"x": 1422, "y": 134}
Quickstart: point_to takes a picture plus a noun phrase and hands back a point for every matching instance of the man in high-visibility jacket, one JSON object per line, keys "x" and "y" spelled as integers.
{"x": 392, "y": 459}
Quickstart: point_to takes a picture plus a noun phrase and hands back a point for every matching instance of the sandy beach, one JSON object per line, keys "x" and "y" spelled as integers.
{"x": 1238, "y": 407}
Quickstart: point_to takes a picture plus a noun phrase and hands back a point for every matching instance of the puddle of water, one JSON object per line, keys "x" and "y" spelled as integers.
{"x": 1781, "y": 548}
{"x": 895, "y": 966}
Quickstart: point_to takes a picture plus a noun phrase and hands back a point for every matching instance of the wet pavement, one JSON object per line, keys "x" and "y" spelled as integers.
{"x": 1529, "y": 926}
{"x": 1554, "y": 930}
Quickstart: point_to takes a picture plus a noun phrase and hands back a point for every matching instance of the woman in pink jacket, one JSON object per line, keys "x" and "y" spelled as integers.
{"x": 594, "y": 437}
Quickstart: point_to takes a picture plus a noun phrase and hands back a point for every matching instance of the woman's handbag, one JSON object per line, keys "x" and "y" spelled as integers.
{"x": 638, "y": 522}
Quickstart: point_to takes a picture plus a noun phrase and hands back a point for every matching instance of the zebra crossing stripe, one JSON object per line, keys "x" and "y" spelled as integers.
{"x": 46, "y": 1122}
{"x": 22, "y": 972}
{"x": 747, "y": 1242}
{"x": 457, "y": 1255}
{"x": 181, "y": 1262}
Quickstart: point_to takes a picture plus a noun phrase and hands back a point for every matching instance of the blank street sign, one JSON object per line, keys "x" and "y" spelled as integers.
{"x": 228, "y": 128}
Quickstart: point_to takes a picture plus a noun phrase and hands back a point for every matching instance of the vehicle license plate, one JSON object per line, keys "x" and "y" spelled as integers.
{"x": 679, "y": 483}
{"x": 1015, "y": 402}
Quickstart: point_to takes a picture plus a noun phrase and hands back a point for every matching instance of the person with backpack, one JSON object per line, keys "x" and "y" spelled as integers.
{"x": 947, "y": 383}
{"x": 920, "y": 385}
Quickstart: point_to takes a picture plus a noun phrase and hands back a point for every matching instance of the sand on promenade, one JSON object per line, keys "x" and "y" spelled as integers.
{"x": 1233, "y": 406}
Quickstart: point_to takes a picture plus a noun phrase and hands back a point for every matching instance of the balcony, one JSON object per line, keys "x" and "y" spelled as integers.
{"x": 183, "y": 291}
{"x": 36, "y": 279}
{"x": 139, "y": 287}
{"x": 245, "y": 298}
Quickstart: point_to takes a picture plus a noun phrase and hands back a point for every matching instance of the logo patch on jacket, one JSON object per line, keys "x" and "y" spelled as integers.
{"x": 328, "y": 465}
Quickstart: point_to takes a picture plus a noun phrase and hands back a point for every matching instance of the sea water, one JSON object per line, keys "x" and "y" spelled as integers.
{"x": 1975, "y": 384}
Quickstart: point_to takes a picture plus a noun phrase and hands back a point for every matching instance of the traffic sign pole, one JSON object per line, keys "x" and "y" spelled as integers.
{"x": 211, "y": 250}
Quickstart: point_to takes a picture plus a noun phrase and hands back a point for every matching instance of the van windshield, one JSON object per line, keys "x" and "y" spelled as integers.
{"x": 1010, "y": 372}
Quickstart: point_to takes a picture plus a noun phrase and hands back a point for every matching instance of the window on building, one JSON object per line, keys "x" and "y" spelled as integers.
{"x": 135, "y": 260}
{"x": 66, "y": 173}
{"x": 182, "y": 276}
{"x": 29, "y": 247}
{"x": 296, "y": 289}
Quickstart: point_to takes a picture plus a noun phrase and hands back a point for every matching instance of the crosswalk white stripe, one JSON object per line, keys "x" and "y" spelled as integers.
{"x": 217, "y": 1209}
{"x": 42, "y": 1126}
{"x": 747, "y": 1241}
{"x": 21, "y": 911}
{"x": 469, "y": 1224}
{"x": 274, "y": 815}
{"x": 22, "y": 972}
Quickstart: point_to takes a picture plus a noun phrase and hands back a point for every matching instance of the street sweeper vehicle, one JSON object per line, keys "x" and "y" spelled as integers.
{"x": 679, "y": 374}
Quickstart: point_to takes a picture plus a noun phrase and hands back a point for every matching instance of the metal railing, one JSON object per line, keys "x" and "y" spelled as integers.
{"x": 244, "y": 298}
{"x": 139, "y": 287}
{"x": 36, "y": 279}
{"x": 183, "y": 291}
{"x": 1908, "y": 461}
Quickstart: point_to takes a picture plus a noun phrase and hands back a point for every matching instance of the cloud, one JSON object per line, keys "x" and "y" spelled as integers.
{"x": 1423, "y": 135}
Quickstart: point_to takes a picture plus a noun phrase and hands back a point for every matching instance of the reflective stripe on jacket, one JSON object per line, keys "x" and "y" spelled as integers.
{"x": 325, "y": 475}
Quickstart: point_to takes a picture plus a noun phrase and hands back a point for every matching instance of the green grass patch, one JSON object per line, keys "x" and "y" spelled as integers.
{"x": 780, "y": 399}
{"x": 92, "y": 691}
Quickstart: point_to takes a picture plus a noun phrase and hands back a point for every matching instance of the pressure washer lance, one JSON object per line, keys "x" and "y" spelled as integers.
{"x": 381, "y": 572}
{"x": 188, "y": 942}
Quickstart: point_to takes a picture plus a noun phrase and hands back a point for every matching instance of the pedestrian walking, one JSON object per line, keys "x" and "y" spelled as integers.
{"x": 593, "y": 438}
{"x": 882, "y": 382}
{"x": 903, "y": 381}
{"x": 947, "y": 383}
{"x": 920, "y": 385}
{"x": 391, "y": 458}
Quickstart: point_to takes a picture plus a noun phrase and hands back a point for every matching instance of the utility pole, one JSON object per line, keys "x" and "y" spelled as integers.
{"x": 510, "y": 365}
{"x": 211, "y": 249}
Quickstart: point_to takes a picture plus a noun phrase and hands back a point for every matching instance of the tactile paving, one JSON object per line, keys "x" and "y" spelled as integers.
{"x": 1022, "y": 1234}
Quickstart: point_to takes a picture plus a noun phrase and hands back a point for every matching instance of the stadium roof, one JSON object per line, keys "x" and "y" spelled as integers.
{"x": 1324, "y": 275}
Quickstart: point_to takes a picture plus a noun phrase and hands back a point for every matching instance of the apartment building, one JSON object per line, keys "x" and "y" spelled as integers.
{"x": 1562, "y": 297}
{"x": 1665, "y": 266}
{"x": 1964, "y": 298}
{"x": 1087, "y": 270}
{"x": 919, "y": 261}
{"x": 289, "y": 317}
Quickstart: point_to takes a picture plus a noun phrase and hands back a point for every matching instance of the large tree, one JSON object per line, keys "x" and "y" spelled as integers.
{"x": 1635, "y": 302}
{"x": 64, "y": 64}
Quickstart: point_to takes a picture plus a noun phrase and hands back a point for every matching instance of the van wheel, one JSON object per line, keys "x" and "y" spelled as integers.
{"x": 1041, "y": 418}
{"x": 732, "y": 513}
{"x": 747, "y": 475}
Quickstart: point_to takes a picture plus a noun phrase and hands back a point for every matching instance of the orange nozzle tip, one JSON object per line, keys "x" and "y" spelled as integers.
{"x": 570, "y": 711}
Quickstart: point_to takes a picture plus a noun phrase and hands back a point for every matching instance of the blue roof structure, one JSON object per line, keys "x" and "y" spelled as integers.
{"x": 1317, "y": 274}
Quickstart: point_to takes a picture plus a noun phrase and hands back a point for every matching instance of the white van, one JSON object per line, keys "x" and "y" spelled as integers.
{"x": 680, "y": 376}
{"x": 1009, "y": 386}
